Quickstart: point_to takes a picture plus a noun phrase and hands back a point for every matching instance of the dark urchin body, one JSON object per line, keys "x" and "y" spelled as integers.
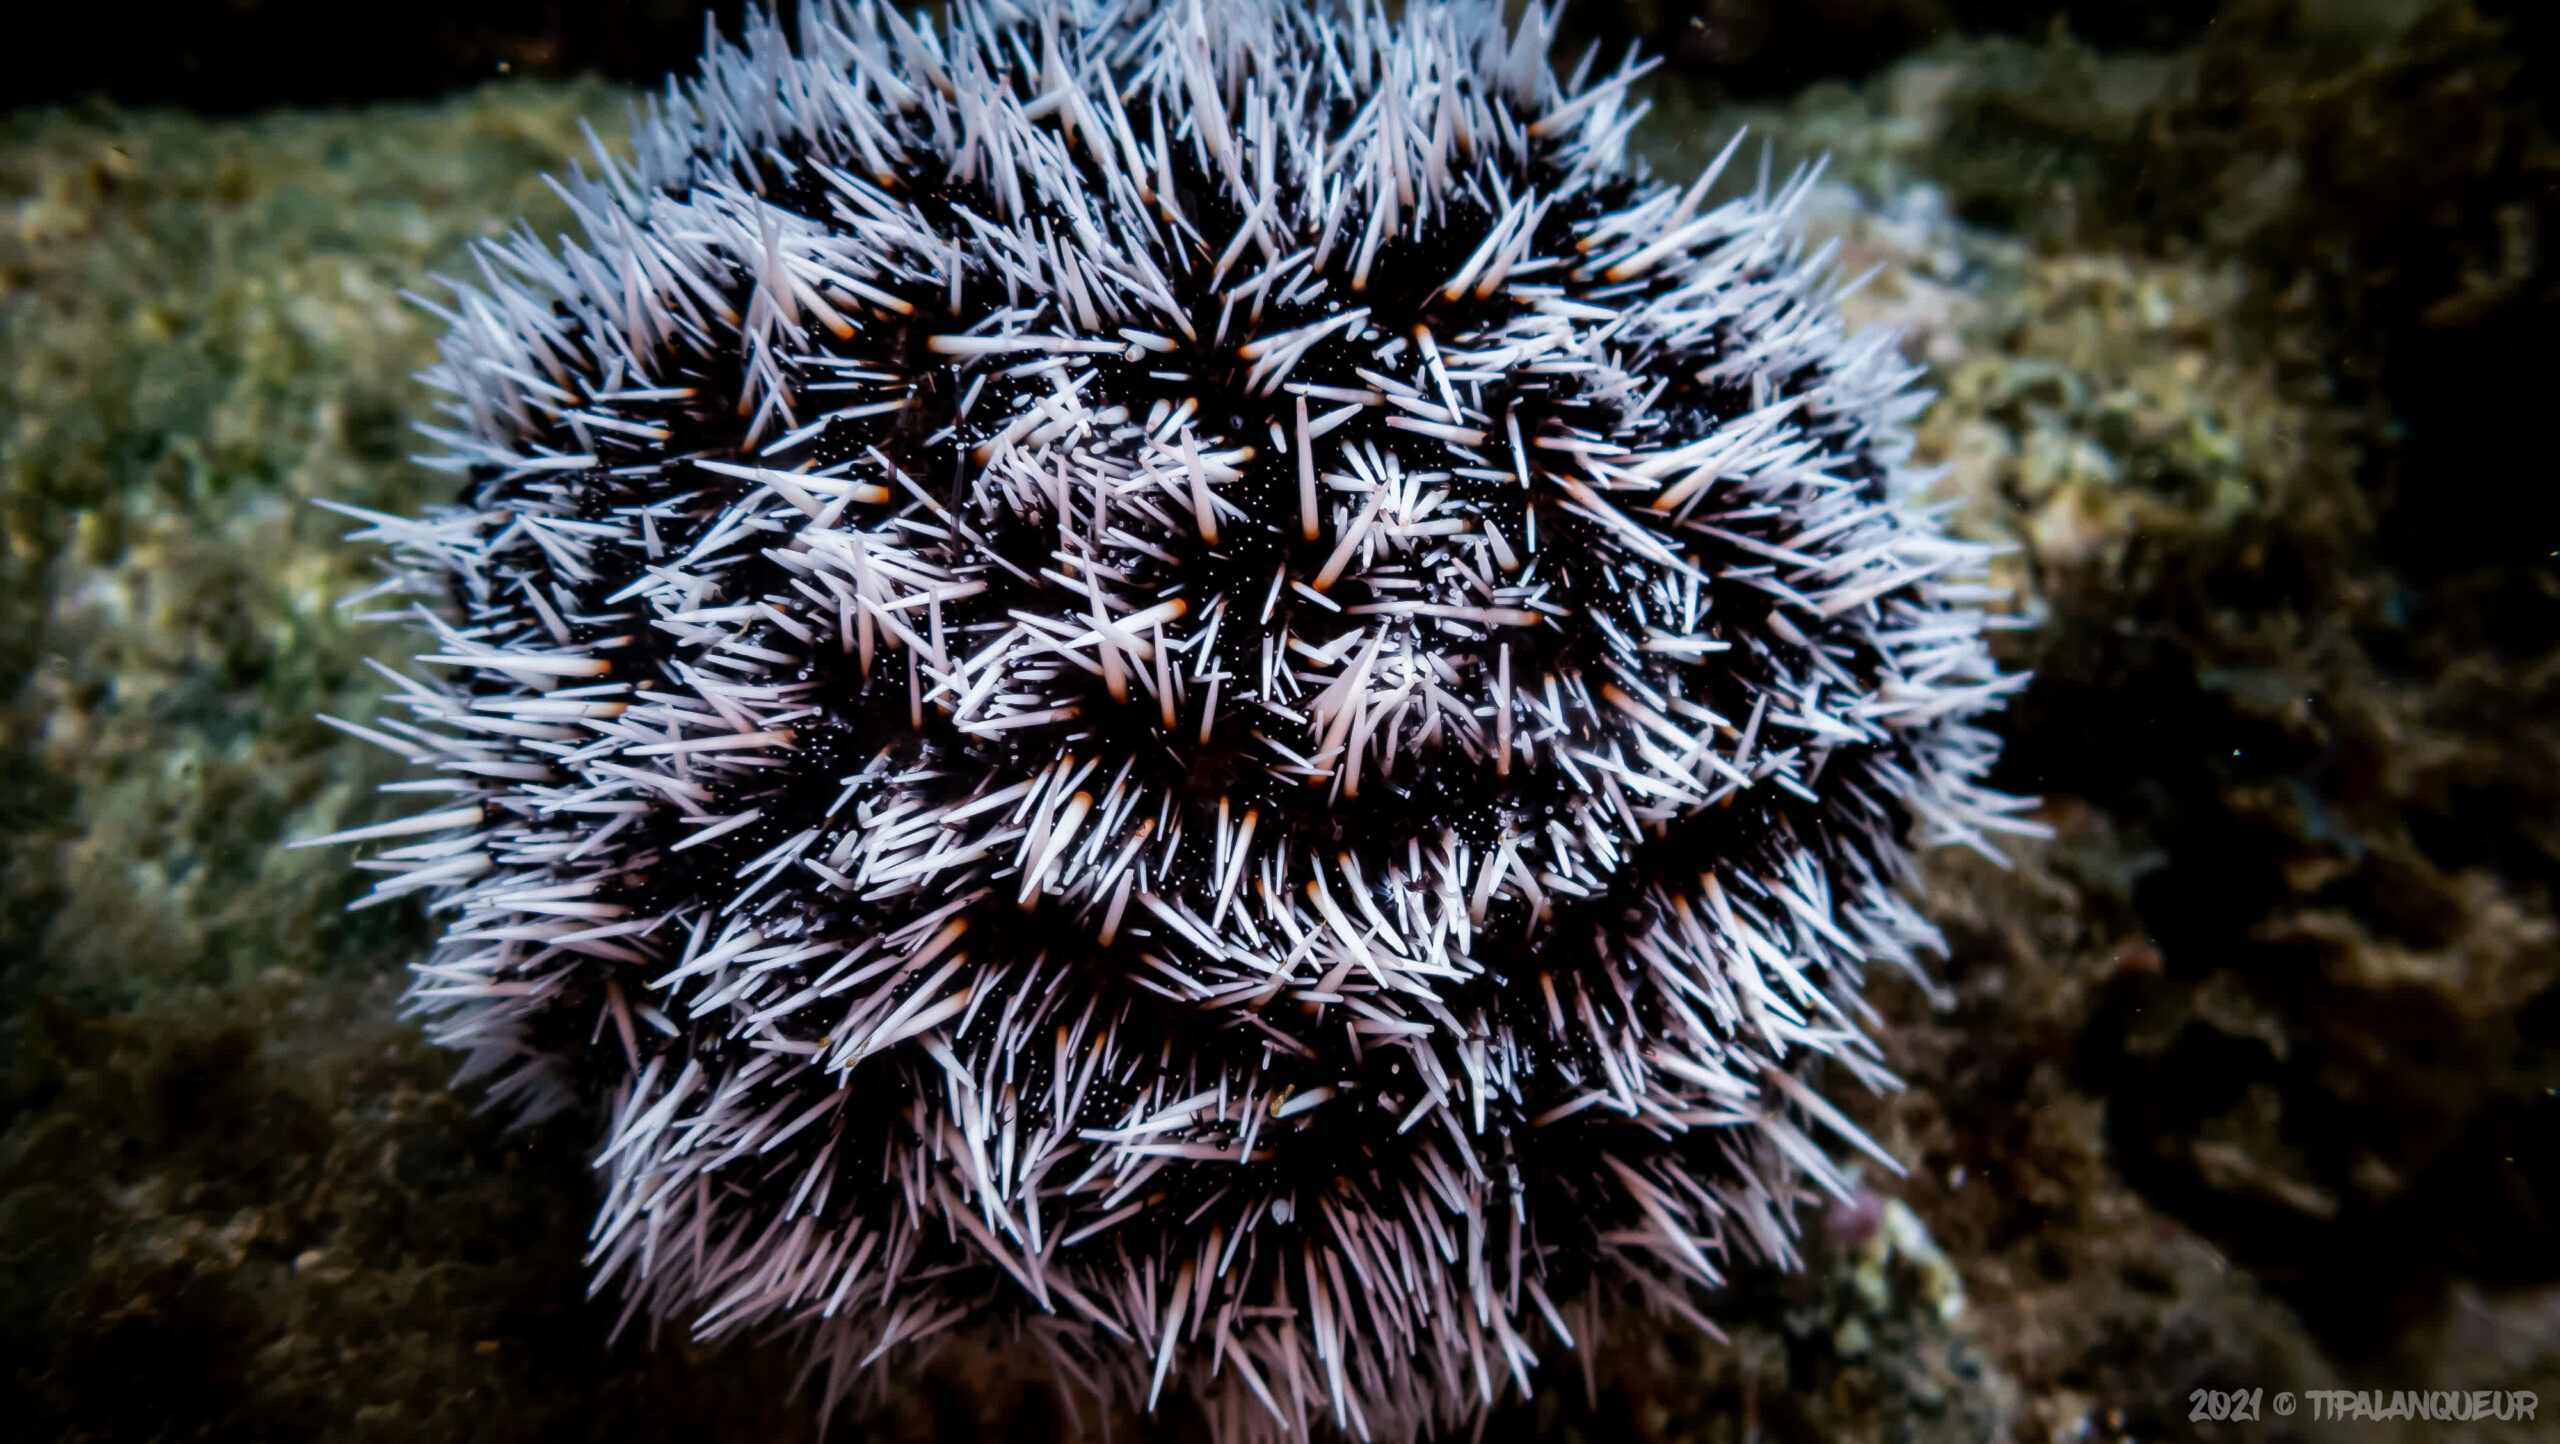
{"x": 1189, "y": 678}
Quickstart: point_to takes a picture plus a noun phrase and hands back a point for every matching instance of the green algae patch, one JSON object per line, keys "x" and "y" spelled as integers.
{"x": 202, "y": 331}
{"x": 235, "y": 1199}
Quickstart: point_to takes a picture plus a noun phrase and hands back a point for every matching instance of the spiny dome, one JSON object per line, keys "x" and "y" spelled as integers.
{"x": 1189, "y": 679}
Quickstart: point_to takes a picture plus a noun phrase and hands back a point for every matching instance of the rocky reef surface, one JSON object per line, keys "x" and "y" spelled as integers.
{"x": 2249, "y": 1079}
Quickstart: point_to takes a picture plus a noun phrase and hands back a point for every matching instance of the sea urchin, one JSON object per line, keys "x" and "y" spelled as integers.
{"x": 1188, "y": 678}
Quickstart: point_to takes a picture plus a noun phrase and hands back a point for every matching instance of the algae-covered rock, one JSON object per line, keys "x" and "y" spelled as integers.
{"x": 236, "y": 1200}
{"x": 2250, "y": 1077}
{"x": 2241, "y": 385}
{"x": 2282, "y": 676}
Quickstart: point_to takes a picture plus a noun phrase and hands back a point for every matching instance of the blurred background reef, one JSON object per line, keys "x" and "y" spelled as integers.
{"x": 2242, "y": 319}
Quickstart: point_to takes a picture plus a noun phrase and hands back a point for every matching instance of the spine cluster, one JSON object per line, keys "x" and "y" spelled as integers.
{"x": 1188, "y": 678}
